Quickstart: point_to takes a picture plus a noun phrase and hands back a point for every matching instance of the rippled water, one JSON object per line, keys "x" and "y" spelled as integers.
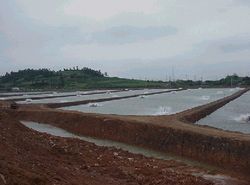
{"x": 235, "y": 116}
{"x": 160, "y": 104}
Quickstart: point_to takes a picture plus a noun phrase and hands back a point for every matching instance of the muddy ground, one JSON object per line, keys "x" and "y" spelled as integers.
{"x": 29, "y": 157}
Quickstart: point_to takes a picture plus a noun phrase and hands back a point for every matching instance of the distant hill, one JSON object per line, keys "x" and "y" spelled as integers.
{"x": 69, "y": 79}
{"x": 86, "y": 78}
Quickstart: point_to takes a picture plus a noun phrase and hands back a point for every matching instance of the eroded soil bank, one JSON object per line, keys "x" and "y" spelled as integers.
{"x": 28, "y": 157}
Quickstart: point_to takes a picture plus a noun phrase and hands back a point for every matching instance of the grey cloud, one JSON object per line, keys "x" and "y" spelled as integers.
{"x": 232, "y": 44}
{"x": 19, "y": 30}
{"x": 243, "y": 2}
{"x": 28, "y": 42}
{"x": 129, "y": 34}
{"x": 236, "y": 46}
{"x": 161, "y": 69}
{"x": 227, "y": 45}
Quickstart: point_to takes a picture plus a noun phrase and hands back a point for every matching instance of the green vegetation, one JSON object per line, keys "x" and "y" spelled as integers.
{"x": 86, "y": 78}
{"x": 69, "y": 79}
{"x": 229, "y": 81}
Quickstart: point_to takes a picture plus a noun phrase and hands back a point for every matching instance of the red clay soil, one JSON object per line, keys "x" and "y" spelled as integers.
{"x": 31, "y": 158}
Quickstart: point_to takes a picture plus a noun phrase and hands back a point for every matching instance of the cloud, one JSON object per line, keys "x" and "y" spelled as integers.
{"x": 236, "y": 45}
{"x": 147, "y": 49}
{"x": 126, "y": 37}
{"x": 242, "y": 2}
{"x": 129, "y": 34}
{"x": 101, "y": 10}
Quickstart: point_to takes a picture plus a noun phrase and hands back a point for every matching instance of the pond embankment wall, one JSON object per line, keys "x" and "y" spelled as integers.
{"x": 225, "y": 152}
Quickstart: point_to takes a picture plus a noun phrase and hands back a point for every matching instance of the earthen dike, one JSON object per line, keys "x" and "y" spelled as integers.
{"x": 175, "y": 134}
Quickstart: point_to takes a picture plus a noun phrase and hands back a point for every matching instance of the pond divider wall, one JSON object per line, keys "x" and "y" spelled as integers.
{"x": 62, "y": 96}
{"x": 197, "y": 113}
{"x": 228, "y": 153}
{"x": 22, "y": 93}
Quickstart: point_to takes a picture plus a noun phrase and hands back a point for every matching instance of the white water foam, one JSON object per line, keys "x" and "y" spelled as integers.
{"x": 28, "y": 100}
{"x": 219, "y": 92}
{"x": 205, "y": 98}
{"x": 164, "y": 110}
{"x": 142, "y": 96}
{"x": 243, "y": 118}
{"x": 94, "y": 105}
{"x": 63, "y": 101}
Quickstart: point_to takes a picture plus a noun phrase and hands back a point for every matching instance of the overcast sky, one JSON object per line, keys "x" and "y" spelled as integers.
{"x": 129, "y": 38}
